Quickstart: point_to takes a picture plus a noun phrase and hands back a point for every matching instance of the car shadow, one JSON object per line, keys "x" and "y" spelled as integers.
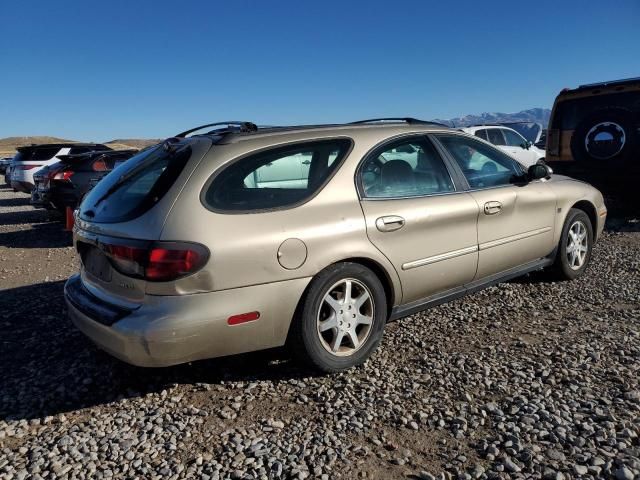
{"x": 48, "y": 367}
{"x": 40, "y": 235}
{"x": 21, "y": 201}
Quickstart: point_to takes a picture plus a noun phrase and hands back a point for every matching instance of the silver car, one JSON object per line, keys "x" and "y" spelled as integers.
{"x": 244, "y": 238}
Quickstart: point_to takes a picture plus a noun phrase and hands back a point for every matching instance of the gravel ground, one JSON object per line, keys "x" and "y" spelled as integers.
{"x": 528, "y": 379}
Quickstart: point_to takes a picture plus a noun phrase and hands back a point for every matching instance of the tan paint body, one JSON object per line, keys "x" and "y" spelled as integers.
{"x": 264, "y": 261}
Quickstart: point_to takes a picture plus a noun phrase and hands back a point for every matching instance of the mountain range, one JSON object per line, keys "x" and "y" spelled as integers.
{"x": 537, "y": 115}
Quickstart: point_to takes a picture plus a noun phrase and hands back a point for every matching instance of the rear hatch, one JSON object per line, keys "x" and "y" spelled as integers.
{"x": 32, "y": 158}
{"x": 120, "y": 221}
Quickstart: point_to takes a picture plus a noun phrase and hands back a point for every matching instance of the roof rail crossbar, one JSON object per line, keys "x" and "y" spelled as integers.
{"x": 243, "y": 127}
{"x": 408, "y": 120}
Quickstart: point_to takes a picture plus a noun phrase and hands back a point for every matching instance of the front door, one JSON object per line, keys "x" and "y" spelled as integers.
{"x": 516, "y": 218}
{"x": 417, "y": 218}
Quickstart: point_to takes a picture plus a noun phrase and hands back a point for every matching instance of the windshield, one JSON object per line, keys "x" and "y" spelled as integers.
{"x": 135, "y": 186}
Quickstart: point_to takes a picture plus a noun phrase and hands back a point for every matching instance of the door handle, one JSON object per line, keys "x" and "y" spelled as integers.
{"x": 492, "y": 208}
{"x": 389, "y": 223}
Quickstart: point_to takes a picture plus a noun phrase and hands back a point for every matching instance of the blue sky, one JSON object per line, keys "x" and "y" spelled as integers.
{"x": 100, "y": 70}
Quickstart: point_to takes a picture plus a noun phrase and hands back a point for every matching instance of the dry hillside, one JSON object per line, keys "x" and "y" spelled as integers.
{"x": 8, "y": 145}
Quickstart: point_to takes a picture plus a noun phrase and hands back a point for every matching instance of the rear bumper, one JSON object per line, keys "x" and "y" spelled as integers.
{"x": 169, "y": 330}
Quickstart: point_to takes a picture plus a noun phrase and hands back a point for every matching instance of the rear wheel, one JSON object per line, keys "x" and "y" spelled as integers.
{"x": 341, "y": 319}
{"x": 576, "y": 242}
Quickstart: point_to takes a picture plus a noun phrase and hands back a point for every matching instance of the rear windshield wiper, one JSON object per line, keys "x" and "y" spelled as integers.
{"x": 123, "y": 178}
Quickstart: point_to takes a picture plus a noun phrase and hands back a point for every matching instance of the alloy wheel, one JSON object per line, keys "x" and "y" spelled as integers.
{"x": 577, "y": 245}
{"x": 345, "y": 317}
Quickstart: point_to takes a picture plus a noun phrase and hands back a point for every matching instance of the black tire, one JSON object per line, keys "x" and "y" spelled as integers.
{"x": 311, "y": 346}
{"x": 615, "y": 123}
{"x": 562, "y": 266}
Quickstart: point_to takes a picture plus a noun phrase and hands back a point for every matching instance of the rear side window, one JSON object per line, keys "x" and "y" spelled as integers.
{"x": 405, "y": 168}
{"x": 495, "y": 136}
{"x": 135, "y": 186}
{"x": 276, "y": 178}
{"x": 482, "y": 134}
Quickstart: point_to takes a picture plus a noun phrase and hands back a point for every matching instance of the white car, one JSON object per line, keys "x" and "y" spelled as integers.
{"x": 510, "y": 141}
{"x": 32, "y": 158}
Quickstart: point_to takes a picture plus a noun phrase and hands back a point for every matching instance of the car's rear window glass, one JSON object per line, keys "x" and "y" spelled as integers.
{"x": 37, "y": 154}
{"x": 569, "y": 113}
{"x": 275, "y": 178}
{"x": 136, "y": 185}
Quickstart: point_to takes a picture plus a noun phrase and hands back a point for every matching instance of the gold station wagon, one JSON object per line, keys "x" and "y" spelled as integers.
{"x": 244, "y": 238}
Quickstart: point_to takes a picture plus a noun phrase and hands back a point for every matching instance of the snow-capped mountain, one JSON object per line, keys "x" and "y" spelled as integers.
{"x": 538, "y": 115}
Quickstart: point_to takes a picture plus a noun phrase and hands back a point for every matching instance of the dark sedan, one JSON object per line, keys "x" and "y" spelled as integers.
{"x": 65, "y": 183}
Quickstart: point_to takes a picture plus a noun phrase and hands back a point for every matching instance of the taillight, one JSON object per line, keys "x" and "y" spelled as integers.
{"x": 100, "y": 166}
{"x": 553, "y": 142}
{"x": 64, "y": 175}
{"x": 158, "y": 262}
{"x": 127, "y": 259}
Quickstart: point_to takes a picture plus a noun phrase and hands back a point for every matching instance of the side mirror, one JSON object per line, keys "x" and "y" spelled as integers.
{"x": 526, "y": 145}
{"x": 538, "y": 171}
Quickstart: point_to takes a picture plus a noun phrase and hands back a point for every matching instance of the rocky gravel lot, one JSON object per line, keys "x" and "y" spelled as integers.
{"x": 529, "y": 379}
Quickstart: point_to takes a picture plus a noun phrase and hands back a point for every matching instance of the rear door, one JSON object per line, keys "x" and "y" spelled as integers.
{"x": 516, "y": 218}
{"x": 417, "y": 217}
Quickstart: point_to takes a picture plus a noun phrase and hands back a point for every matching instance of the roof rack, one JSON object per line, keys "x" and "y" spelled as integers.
{"x": 243, "y": 127}
{"x": 610, "y": 83}
{"x": 407, "y": 120}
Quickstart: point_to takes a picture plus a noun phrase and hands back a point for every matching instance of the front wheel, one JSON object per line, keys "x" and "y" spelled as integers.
{"x": 342, "y": 318}
{"x": 576, "y": 242}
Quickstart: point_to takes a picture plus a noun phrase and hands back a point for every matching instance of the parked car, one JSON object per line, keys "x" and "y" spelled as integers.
{"x": 66, "y": 182}
{"x": 510, "y": 141}
{"x": 532, "y": 131}
{"x": 7, "y": 173}
{"x": 4, "y": 163}
{"x": 596, "y": 127}
{"x": 194, "y": 249}
{"x": 30, "y": 159}
{"x": 40, "y": 192}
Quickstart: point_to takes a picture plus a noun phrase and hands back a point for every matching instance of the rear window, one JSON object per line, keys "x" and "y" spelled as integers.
{"x": 40, "y": 154}
{"x": 36, "y": 154}
{"x": 276, "y": 178}
{"x": 569, "y": 113}
{"x": 136, "y": 185}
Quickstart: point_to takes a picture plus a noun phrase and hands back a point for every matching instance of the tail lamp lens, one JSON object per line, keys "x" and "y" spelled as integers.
{"x": 62, "y": 175}
{"x": 158, "y": 262}
{"x": 100, "y": 166}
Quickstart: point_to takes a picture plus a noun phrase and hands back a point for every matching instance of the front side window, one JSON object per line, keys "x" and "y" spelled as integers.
{"x": 405, "y": 168}
{"x": 276, "y": 178}
{"x": 482, "y": 165}
{"x": 513, "y": 139}
{"x": 495, "y": 136}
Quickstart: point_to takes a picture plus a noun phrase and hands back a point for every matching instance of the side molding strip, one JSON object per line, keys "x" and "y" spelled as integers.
{"x": 513, "y": 238}
{"x": 439, "y": 258}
